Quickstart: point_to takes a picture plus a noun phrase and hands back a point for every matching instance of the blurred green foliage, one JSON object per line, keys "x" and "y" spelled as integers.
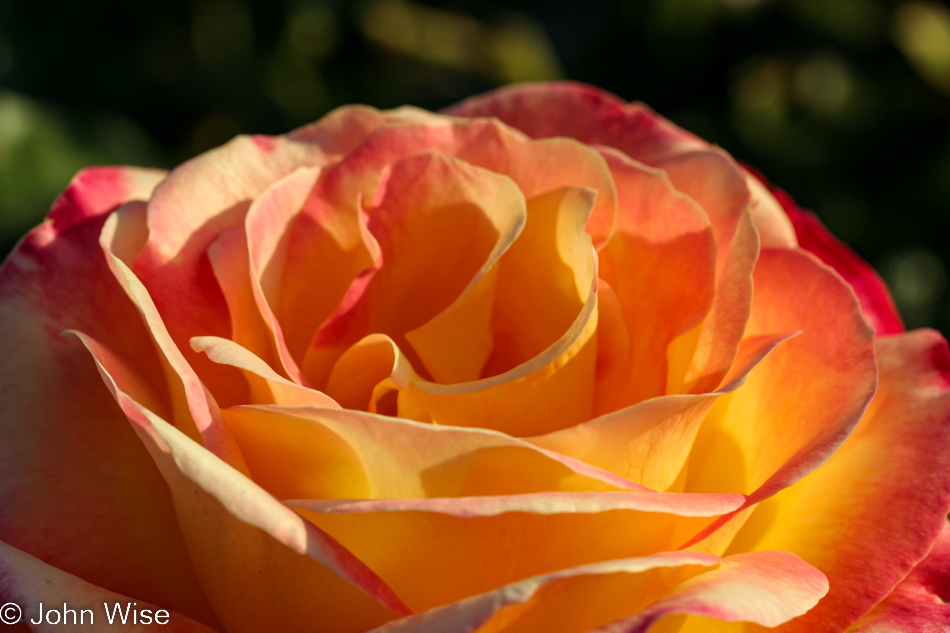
{"x": 844, "y": 103}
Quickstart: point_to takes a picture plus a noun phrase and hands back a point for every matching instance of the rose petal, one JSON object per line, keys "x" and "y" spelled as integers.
{"x": 660, "y": 262}
{"x": 649, "y": 442}
{"x": 98, "y": 190}
{"x": 358, "y": 373}
{"x": 193, "y": 409}
{"x": 707, "y": 175}
{"x": 872, "y": 512}
{"x": 244, "y": 544}
{"x": 29, "y": 582}
{"x": 552, "y": 391}
{"x": 783, "y": 423}
{"x": 712, "y": 179}
{"x": 70, "y": 470}
{"x": 585, "y": 113}
{"x": 428, "y": 208}
{"x": 312, "y": 453}
{"x": 196, "y": 202}
{"x": 919, "y": 603}
{"x": 595, "y": 588}
{"x": 765, "y": 587}
{"x": 499, "y": 540}
{"x": 266, "y": 385}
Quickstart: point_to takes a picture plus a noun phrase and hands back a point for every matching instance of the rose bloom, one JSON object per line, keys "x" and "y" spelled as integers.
{"x": 544, "y": 362}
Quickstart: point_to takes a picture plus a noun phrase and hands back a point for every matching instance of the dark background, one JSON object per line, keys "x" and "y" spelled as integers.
{"x": 844, "y": 103}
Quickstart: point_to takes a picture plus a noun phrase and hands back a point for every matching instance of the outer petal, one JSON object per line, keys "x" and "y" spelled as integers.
{"x": 29, "y": 582}
{"x": 919, "y": 604}
{"x": 451, "y": 496}
{"x": 766, "y": 587}
{"x": 76, "y": 488}
{"x": 585, "y": 113}
{"x": 497, "y": 541}
{"x": 783, "y": 423}
{"x": 246, "y": 547}
{"x": 872, "y": 512}
{"x": 876, "y": 301}
{"x": 98, "y": 190}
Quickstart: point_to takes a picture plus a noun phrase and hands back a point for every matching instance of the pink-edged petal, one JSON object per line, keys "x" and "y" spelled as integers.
{"x": 29, "y": 583}
{"x": 873, "y": 510}
{"x": 194, "y": 409}
{"x": 649, "y": 442}
{"x": 583, "y": 112}
{"x": 706, "y": 174}
{"x": 919, "y": 603}
{"x": 660, "y": 262}
{"x": 97, "y": 190}
{"x": 628, "y": 596}
{"x": 500, "y": 540}
{"x": 767, "y": 588}
{"x": 802, "y": 402}
{"x": 876, "y": 301}
{"x": 267, "y": 228}
{"x": 711, "y": 178}
{"x": 314, "y": 453}
{"x": 429, "y": 208}
{"x": 196, "y": 202}
{"x": 245, "y": 545}
{"x": 600, "y": 591}
{"x": 266, "y": 386}
{"x": 70, "y": 469}
{"x": 540, "y": 503}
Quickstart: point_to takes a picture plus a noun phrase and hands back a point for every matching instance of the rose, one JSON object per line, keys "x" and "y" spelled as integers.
{"x": 376, "y": 373}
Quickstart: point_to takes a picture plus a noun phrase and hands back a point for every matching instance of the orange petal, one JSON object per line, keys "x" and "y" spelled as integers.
{"x": 541, "y": 372}
{"x": 552, "y": 391}
{"x": 245, "y": 545}
{"x": 313, "y": 453}
{"x": 802, "y": 402}
{"x": 711, "y": 178}
{"x": 872, "y": 512}
{"x": 358, "y": 372}
{"x": 70, "y": 469}
{"x": 649, "y": 442}
{"x": 428, "y": 208}
{"x": 662, "y": 268}
{"x": 768, "y": 587}
{"x": 499, "y": 540}
{"x": 31, "y": 584}
{"x": 266, "y": 386}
